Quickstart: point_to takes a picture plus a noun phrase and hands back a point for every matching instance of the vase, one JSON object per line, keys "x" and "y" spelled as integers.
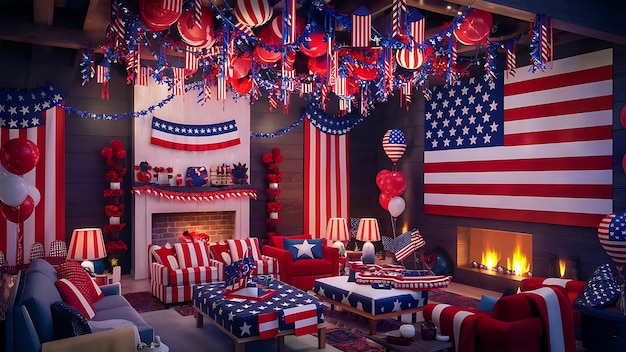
{"x": 273, "y": 185}
{"x": 114, "y": 185}
{"x": 114, "y": 220}
{"x": 274, "y": 215}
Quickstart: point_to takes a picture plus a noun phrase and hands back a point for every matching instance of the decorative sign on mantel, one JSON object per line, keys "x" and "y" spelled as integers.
{"x": 193, "y": 194}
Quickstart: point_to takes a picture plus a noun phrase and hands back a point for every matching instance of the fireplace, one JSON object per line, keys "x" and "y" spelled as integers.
{"x": 493, "y": 252}
{"x": 148, "y": 206}
{"x": 168, "y": 227}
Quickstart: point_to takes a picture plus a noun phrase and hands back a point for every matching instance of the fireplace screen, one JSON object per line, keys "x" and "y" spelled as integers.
{"x": 500, "y": 252}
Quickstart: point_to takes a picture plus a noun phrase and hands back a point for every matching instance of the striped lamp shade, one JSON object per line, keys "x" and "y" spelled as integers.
{"x": 337, "y": 230}
{"x": 86, "y": 244}
{"x": 368, "y": 230}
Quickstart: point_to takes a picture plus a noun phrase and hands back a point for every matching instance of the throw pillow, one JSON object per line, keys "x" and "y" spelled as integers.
{"x": 601, "y": 290}
{"x": 192, "y": 255}
{"x": 172, "y": 262}
{"x": 244, "y": 247}
{"x": 74, "y": 297}
{"x": 72, "y": 271}
{"x": 304, "y": 249}
{"x": 161, "y": 253}
{"x": 486, "y": 303}
{"x": 220, "y": 251}
{"x": 67, "y": 321}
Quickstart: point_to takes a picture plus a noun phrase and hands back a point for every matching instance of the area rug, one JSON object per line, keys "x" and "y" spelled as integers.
{"x": 441, "y": 296}
{"x": 144, "y": 301}
{"x": 185, "y": 310}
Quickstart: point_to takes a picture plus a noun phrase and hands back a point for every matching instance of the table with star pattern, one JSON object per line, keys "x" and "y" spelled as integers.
{"x": 238, "y": 318}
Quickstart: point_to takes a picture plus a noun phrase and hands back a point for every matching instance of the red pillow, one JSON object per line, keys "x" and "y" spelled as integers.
{"x": 216, "y": 250}
{"x": 163, "y": 252}
{"x": 73, "y": 296}
{"x": 77, "y": 275}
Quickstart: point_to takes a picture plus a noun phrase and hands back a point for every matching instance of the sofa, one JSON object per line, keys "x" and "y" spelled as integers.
{"x": 31, "y": 325}
{"x": 516, "y": 323}
{"x": 227, "y": 251}
{"x": 174, "y": 269}
{"x": 301, "y": 271}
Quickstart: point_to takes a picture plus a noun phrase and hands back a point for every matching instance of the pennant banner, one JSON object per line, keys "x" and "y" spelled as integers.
{"x": 194, "y": 137}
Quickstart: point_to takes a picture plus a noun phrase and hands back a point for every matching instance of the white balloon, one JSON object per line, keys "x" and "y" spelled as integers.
{"x": 13, "y": 190}
{"x": 396, "y": 206}
{"x": 34, "y": 193}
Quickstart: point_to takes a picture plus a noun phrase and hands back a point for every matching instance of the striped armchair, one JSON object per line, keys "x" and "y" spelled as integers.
{"x": 175, "y": 269}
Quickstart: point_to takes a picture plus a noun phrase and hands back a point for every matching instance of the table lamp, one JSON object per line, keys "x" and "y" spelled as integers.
{"x": 86, "y": 245}
{"x": 367, "y": 232}
{"x": 337, "y": 232}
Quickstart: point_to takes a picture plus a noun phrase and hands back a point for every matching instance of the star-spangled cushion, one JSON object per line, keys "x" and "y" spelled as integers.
{"x": 601, "y": 290}
{"x": 304, "y": 249}
{"x": 67, "y": 321}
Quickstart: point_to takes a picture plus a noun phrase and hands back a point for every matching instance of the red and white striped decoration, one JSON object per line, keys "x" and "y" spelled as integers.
{"x": 546, "y": 42}
{"x": 332, "y": 69}
{"x": 268, "y": 325}
{"x": 253, "y": 13}
{"x": 197, "y": 13}
{"x": 178, "y": 81}
{"x": 117, "y": 25}
{"x": 288, "y": 79}
{"x": 410, "y": 59}
{"x": 191, "y": 58}
{"x": 221, "y": 88}
{"x": 143, "y": 75}
{"x": 206, "y": 93}
{"x": 173, "y": 5}
{"x": 272, "y": 100}
{"x": 398, "y": 17}
{"x": 304, "y": 317}
{"x": 306, "y": 88}
{"x": 416, "y": 29}
{"x": 407, "y": 92}
{"x": 102, "y": 76}
{"x": 289, "y": 21}
{"x": 368, "y": 230}
{"x": 361, "y": 27}
{"x": 389, "y": 69}
{"x": 510, "y": 59}
{"x": 341, "y": 86}
{"x": 344, "y": 105}
{"x": 132, "y": 65}
{"x": 245, "y": 29}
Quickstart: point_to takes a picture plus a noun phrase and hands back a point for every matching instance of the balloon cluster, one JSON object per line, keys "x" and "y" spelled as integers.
{"x": 391, "y": 184}
{"x": 18, "y": 199}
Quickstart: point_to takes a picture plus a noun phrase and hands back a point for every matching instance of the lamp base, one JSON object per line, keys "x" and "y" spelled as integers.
{"x": 88, "y": 265}
{"x": 369, "y": 253}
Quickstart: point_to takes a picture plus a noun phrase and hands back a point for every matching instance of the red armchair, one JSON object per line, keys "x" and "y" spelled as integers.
{"x": 572, "y": 288}
{"x": 302, "y": 273}
{"x": 515, "y": 324}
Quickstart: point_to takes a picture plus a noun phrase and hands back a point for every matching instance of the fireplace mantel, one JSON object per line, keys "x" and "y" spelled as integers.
{"x": 146, "y": 205}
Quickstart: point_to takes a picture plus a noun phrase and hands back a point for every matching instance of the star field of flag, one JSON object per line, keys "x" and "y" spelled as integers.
{"x": 241, "y": 317}
{"x": 468, "y": 115}
{"x": 23, "y": 109}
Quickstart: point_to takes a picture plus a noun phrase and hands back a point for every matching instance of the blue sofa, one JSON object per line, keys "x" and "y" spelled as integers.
{"x": 29, "y": 323}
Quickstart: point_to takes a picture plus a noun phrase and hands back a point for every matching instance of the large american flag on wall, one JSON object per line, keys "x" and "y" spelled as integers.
{"x": 35, "y": 114}
{"x": 326, "y": 179}
{"x": 536, "y": 147}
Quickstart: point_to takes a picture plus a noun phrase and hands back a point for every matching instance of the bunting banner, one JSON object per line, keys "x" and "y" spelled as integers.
{"x": 194, "y": 137}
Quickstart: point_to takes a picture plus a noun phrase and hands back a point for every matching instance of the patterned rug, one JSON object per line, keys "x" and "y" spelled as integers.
{"x": 144, "y": 301}
{"x": 441, "y": 296}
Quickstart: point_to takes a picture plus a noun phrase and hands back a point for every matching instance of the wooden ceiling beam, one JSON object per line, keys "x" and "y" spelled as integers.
{"x": 43, "y": 12}
{"x": 97, "y": 18}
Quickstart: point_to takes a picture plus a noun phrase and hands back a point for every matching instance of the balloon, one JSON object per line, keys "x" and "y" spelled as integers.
{"x": 253, "y": 13}
{"x": 19, "y": 213}
{"x": 396, "y": 206}
{"x": 410, "y": 59}
{"x": 19, "y": 155}
{"x": 365, "y": 67}
{"x": 241, "y": 66}
{"x": 475, "y": 28}
{"x": 317, "y": 46}
{"x": 13, "y": 190}
{"x": 394, "y": 183}
{"x": 3, "y": 171}
{"x": 193, "y": 34}
{"x": 267, "y": 36}
{"x": 317, "y": 65}
{"x": 612, "y": 239}
{"x": 380, "y": 177}
{"x": 394, "y": 144}
{"x": 242, "y": 85}
{"x": 383, "y": 200}
{"x": 154, "y": 15}
{"x": 34, "y": 193}
{"x": 277, "y": 26}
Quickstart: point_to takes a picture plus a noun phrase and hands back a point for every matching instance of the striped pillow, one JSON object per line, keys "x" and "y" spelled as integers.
{"x": 238, "y": 248}
{"x": 76, "y": 274}
{"x": 72, "y": 296}
{"x": 192, "y": 255}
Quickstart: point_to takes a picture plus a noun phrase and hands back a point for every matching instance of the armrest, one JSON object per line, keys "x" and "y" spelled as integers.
{"x": 220, "y": 268}
{"x": 284, "y": 258}
{"x": 332, "y": 254}
{"x": 112, "y": 289}
{"x": 510, "y": 332}
{"x": 123, "y": 339}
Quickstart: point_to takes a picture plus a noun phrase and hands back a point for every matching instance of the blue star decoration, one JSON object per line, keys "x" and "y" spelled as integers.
{"x": 601, "y": 290}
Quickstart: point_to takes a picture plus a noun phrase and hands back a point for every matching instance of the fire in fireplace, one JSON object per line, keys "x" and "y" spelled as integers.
{"x": 495, "y": 252}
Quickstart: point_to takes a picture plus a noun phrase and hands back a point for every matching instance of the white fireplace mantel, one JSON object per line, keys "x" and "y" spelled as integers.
{"x": 146, "y": 205}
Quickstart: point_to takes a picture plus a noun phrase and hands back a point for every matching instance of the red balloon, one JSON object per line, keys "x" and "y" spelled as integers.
{"x": 622, "y": 117}
{"x": 155, "y": 17}
{"x": 19, "y": 213}
{"x": 475, "y": 28}
{"x": 19, "y": 155}
{"x": 267, "y": 57}
{"x": 317, "y": 45}
{"x": 120, "y": 154}
{"x": 383, "y": 200}
{"x": 242, "y": 85}
{"x": 241, "y": 66}
{"x": 317, "y": 65}
{"x": 277, "y": 26}
{"x": 394, "y": 183}
{"x": 193, "y": 34}
{"x": 380, "y": 177}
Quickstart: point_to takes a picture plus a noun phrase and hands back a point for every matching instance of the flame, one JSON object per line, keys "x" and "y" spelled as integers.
{"x": 519, "y": 263}
{"x": 490, "y": 258}
{"x": 562, "y": 267}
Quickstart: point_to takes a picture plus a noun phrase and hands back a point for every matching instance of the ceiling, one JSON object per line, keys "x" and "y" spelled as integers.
{"x": 76, "y": 24}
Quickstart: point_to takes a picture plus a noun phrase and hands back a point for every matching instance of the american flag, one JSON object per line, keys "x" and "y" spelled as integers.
{"x": 178, "y": 81}
{"x": 303, "y": 317}
{"x": 35, "y": 114}
{"x": 612, "y": 236}
{"x": 326, "y": 178}
{"x": 143, "y": 75}
{"x": 536, "y": 147}
{"x": 361, "y": 27}
{"x": 194, "y": 137}
{"x": 268, "y": 325}
{"x": 404, "y": 245}
{"x": 191, "y": 59}
{"x": 173, "y": 5}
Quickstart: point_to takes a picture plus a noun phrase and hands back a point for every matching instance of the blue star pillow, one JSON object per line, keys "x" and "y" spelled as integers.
{"x": 601, "y": 290}
{"x": 304, "y": 249}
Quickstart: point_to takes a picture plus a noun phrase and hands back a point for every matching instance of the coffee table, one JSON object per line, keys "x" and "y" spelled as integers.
{"x": 238, "y": 318}
{"x": 417, "y": 345}
{"x": 373, "y": 304}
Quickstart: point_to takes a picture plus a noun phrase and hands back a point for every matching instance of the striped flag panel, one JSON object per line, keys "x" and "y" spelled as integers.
{"x": 326, "y": 179}
{"x": 537, "y": 147}
{"x": 361, "y": 27}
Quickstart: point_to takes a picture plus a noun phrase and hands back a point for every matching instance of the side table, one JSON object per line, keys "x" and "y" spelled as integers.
{"x": 603, "y": 329}
{"x": 107, "y": 279}
{"x": 417, "y": 345}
